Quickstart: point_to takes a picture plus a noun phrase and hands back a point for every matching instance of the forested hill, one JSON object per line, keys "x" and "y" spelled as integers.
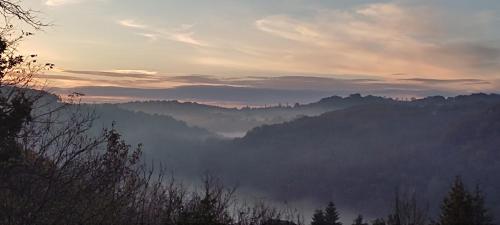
{"x": 359, "y": 155}
{"x": 165, "y": 139}
{"x": 139, "y": 125}
{"x": 237, "y": 121}
{"x": 420, "y": 114}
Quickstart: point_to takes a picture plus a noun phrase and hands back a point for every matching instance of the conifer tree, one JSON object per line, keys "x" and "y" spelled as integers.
{"x": 331, "y": 215}
{"x": 359, "y": 221}
{"x": 457, "y": 207}
{"x": 481, "y": 215}
{"x": 318, "y": 218}
{"x": 379, "y": 222}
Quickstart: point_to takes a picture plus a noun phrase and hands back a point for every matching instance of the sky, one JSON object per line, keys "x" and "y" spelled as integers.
{"x": 394, "y": 48}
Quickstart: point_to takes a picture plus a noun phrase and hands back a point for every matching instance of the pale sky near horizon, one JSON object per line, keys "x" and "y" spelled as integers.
{"x": 449, "y": 44}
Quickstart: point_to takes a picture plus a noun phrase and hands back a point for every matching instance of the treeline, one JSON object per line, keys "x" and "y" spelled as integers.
{"x": 459, "y": 207}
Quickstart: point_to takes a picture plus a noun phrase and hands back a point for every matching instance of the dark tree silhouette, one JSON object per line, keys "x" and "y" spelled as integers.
{"x": 461, "y": 207}
{"x": 328, "y": 216}
{"x": 278, "y": 222}
{"x": 318, "y": 218}
{"x": 11, "y": 9}
{"x": 456, "y": 208}
{"x": 359, "y": 221}
{"x": 331, "y": 215}
{"x": 406, "y": 211}
{"x": 481, "y": 214}
{"x": 379, "y": 222}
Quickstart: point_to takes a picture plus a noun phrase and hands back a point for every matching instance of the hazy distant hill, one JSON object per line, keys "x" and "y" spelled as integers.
{"x": 165, "y": 139}
{"x": 142, "y": 124}
{"x": 235, "y": 122}
{"x": 359, "y": 155}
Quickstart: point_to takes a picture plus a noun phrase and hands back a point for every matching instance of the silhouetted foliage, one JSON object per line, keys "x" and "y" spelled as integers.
{"x": 457, "y": 206}
{"x": 318, "y": 217}
{"x": 278, "y": 222}
{"x": 359, "y": 221}
{"x": 379, "y": 222}
{"x": 331, "y": 215}
{"x": 13, "y": 10}
{"x": 407, "y": 212}
{"x": 328, "y": 216}
{"x": 461, "y": 207}
{"x": 481, "y": 214}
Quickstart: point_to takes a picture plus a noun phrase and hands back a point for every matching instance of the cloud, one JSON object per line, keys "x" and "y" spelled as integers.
{"x": 93, "y": 78}
{"x": 217, "y": 94}
{"x": 185, "y": 38}
{"x": 145, "y": 72}
{"x": 258, "y": 90}
{"x": 54, "y": 3}
{"x": 467, "y": 56}
{"x": 116, "y": 73}
{"x": 382, "y": 38}
{"x": 183, "y": 34}
{"x": 448, "y": 81}
{"x": 197, "y": 79}
{"x": 59, "y": 2}
{"x": 366, "y": 84}
{"x": 394, "y": 41}
{"x": 131, "y": 23}
{"x": 60, "y": 77}
{"x": 377, "y": 85}
{"x": 152, "y": 37}
{"x": 213, "y": 94}
{"x": 292, "y": 29}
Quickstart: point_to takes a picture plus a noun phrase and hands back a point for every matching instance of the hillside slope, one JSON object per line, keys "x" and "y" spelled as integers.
{"x": 358, "y": 156}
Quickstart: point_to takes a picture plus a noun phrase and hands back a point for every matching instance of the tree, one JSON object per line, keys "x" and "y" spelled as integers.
{"x": 406, "y": 211}
{"x": 15, "y": 105}
{"x": 359, "y": 221}
{"x": 481, "y": 215}
{"x": 318, "y": 218}
{"x": 461, "y": 207}
{"x": 379, "y": 222}
{"x": 278, "y": 222}
{"x": 457, "y": 207}
{"x": 210, "y": 208}
{"x": 16, "y": 73}
{"x": 12, "y": 9}
{"x": 331, "y": 215}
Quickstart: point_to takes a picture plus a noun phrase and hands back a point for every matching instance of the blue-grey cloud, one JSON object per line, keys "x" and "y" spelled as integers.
{"x": 448, "y": 81}
{"x": 133, "y": 73}
{"x": 258, "y": 90}
{"x": 233, "y": 95}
